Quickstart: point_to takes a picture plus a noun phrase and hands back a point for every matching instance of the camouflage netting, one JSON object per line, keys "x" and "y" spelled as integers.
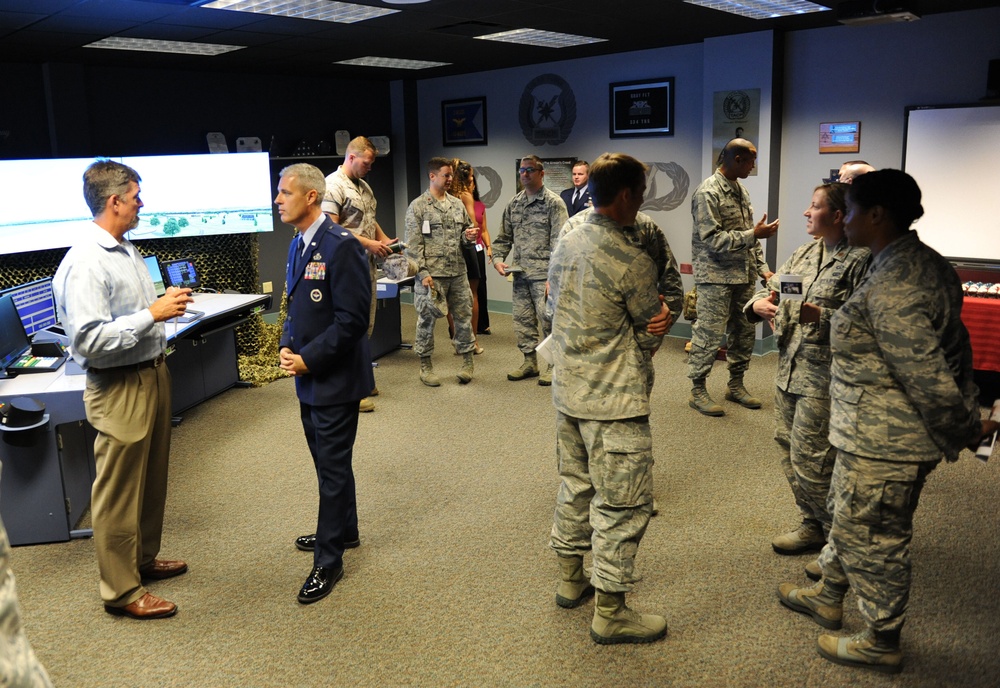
{"x": 225, "y": 262}
{"x": 262, "y": 367}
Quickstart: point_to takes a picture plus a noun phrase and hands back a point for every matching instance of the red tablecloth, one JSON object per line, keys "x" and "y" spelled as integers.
{"x": 982, "y": 319}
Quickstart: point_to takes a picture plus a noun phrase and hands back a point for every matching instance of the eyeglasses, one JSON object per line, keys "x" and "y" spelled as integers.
{"x": 527, "y": 170}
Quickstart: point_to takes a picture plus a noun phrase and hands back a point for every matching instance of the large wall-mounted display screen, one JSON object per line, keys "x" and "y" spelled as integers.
{"x": 951, "y": 151}
{"x": 42, "y": 206}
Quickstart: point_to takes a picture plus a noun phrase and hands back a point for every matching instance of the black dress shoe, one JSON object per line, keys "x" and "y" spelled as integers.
{"x": 307, "y": 543}
{"x": 319, "y": 584}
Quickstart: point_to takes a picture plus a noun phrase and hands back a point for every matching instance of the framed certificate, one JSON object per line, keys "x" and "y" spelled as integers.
{"x": 642, "y": 108}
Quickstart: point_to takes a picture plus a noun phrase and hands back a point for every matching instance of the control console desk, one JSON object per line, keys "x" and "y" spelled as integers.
{"x": 47, "y": 474}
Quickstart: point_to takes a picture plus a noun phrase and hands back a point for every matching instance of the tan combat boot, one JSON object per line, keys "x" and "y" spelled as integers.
{"x": 824, "y": 602}
{"x": 878, "y": 650}
{"x": 528, "y": 369}
{"x": 545, "y": 376}
{"x": 615, "y": 623}
{"x": 701, "y": 402}
{"x": 738, "y": 393}
{"x": 813, "y": 570}
{"x": 427, "y": 375}
{"x": 574, "y": 588}
{"x": 465, "y": 374}
{"x": 808, "y": 537}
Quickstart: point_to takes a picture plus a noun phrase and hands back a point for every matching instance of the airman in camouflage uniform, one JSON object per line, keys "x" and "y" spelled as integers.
{"x": 18, "y": 666}
{"x": 529, "y": 230}
{"x": 902, "y": 397}
{"x": 648, "y": 236}
{"x": 727, "y": 260}
{"x": 830, "y": 271}
{"x": 603, "y": 291}
{"x": 436, "y": 224}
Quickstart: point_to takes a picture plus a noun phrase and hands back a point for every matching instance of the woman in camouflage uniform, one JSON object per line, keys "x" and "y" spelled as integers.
{"x": 902, "y": 398}
{"x": 830, "y": 271}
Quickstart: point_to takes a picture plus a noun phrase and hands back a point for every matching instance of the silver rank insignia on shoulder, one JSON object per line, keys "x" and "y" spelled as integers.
{"x": 343, "y": 234}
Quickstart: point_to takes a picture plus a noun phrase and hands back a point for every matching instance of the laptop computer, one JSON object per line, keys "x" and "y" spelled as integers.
{"x": 182, "y": 273}
{"x": 17, "y": 354}
{"x": 153, "y": 265}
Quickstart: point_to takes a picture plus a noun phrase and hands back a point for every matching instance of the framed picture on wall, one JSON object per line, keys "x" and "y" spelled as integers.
{"x": 642, "y": 108}
{"x": 463, "y": 122}
{"x": 839, "y": 137}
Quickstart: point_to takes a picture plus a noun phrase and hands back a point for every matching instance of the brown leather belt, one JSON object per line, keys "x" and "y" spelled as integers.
{"x": 153, "y": 363}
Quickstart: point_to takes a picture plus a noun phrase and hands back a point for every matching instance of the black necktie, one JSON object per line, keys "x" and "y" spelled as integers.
{"x": 576, "y": 196}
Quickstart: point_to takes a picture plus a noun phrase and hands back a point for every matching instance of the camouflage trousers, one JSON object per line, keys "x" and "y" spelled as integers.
{"x": 371, "y": 311}
{"x": 802, "y": 429}
{"x": 18, "y": 664}
{"x": 872, "y": 503}
{"x": 459, "y": 296}
{"x": 529, "y": 313}
{"x": 720, "y": 312}
{"x": 606, "y": 496}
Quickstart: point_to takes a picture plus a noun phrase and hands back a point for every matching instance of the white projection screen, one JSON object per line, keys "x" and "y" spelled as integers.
{"x": 952, "y": 151}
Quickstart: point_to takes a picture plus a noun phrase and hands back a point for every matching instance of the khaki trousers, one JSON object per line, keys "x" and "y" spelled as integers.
{"x": 131, "y": 412}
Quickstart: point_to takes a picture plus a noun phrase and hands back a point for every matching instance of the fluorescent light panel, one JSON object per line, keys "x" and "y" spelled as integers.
{"x": 150, "y": 45}
{"x": 319, "y": 10}
{"x": 391, "y": 62}
{"x": 761, "y": 9}
{"x": 544, "y": 39}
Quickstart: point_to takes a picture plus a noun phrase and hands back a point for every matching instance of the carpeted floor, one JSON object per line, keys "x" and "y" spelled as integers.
{"x": 453, "y": 584}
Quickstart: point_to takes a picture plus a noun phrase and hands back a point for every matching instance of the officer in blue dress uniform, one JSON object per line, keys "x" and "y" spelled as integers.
{"x": 324, "y": 344}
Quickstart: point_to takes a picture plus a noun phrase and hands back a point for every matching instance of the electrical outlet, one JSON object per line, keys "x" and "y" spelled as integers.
{"x": 267, "y": 288}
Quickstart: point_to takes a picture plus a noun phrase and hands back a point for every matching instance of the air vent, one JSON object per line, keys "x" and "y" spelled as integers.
{"x": 869, "y": 12}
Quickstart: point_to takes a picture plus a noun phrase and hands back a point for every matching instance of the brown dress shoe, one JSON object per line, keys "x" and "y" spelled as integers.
{"x": 163, "y": 568}
{"x": 148, "y": 606}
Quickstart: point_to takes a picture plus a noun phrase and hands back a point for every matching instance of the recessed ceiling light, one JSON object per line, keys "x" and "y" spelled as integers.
{"x": 544, "y": 39}
{"x": 155, "y": 46}
{"x": 319, "y": 10}
{"x": 761, "y": 9}
{"x": 391, "y": 62}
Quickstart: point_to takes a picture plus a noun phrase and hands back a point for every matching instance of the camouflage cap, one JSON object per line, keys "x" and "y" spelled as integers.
{"x": 398, "y": 267}
{"x": 438, "y": 304}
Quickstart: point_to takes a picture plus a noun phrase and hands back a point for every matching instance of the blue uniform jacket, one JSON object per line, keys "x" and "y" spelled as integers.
{"x": 327, "y": 324}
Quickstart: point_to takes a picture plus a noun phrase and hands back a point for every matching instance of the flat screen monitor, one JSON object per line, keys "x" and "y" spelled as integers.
{"x": 237, "y": 201}
{"x": 35, "y": 304}
{"x": 13, "y": 340}
{"x": 181, "y": 273}
{"x": 153, "y": 265}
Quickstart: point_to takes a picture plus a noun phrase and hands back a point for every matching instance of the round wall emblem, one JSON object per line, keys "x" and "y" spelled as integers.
{"x": 548, "y": 110}
{"x": 736, "y": 106}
